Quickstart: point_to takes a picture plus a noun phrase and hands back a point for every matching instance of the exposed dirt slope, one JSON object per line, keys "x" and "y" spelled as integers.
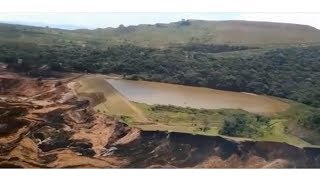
{"x": 60, "y": 130}
{"x": 107, "y": 99}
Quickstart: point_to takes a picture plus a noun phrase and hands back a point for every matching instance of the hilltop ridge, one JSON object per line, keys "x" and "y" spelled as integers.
{"x": 164, "y": 35}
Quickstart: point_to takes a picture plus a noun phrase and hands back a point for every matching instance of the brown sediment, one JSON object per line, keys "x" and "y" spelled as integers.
{"x": 44, "y": 126}
{"x": 196, "y": 97}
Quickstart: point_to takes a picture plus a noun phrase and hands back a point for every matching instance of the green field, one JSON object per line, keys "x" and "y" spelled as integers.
{"x": 209, "y": 122}
{"x": 279, "y": 134}
{"x": 281, "y": 127}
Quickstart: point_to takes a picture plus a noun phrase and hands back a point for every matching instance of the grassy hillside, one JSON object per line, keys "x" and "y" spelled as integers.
{"x": 255, "y": 57}
{"x": 164, "y": 35}
{"x": 229, "y": 122}
{"x": 212, "y": 32}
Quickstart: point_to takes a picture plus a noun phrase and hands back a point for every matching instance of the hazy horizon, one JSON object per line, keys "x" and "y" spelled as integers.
{"x": 105, "y": 20}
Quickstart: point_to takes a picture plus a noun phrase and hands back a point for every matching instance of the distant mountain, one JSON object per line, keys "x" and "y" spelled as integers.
{"x": 40, "y": 24}
{"x": 162, "y": 35}
{"x": 65, "y": 26}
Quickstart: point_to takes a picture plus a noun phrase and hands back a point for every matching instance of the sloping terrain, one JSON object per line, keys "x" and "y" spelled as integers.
{"x": 163, "y": 35}
{"x": 212, "y": 32}
{"x": 60, "y": 130}
{"x": 46, "y": 123}
{"x": 106, "y": 99}
{"x": 275, "y": 59}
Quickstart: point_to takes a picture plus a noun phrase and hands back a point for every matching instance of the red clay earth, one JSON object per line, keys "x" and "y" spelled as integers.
{"x": 44, "y": 125}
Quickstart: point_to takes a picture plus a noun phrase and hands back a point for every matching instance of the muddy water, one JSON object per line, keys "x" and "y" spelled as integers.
{"x": 195, "y": 97}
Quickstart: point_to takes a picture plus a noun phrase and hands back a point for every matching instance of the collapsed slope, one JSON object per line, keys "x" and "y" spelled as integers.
{"x": 60, "y": 130}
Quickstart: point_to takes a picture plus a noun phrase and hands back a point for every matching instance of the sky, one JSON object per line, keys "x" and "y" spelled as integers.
{"x": 103, "y": 20}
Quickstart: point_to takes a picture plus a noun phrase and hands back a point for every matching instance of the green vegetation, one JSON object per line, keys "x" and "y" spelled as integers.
{"x": 281, "y": 60}
{"x": 165, "y": 35}
{"x": 312, "y": 121}
{"x": 228, "y": 122}
{"x": 291, "y": 73}
{"x": 282, "y": 133}
{"x": 126, "y": 119}
{"x": 302, "y": 121}
{"x": 242, "y": 125}
{"x": 306, "y": 116}
{"x": 206, "y": 121}
{"x": 210, "y": 48}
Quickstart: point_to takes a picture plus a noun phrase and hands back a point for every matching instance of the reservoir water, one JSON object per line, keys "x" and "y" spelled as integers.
{"x": 195, "y": 97}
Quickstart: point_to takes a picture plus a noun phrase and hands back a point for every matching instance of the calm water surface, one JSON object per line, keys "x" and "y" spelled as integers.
{"x": 195, "y": 97}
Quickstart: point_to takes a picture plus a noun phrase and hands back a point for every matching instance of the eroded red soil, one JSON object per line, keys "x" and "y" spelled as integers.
{"x": 43, "y": 124}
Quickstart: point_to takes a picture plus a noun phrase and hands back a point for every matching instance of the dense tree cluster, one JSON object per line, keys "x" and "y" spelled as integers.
{"x": 292, "y": 73}
{"x": 243, "y": 125}
{"x": 312, "y": 121}
{"x": 184, "y": 22}
{"x": 308, "y": 117}
{"x": 214, "y": 48}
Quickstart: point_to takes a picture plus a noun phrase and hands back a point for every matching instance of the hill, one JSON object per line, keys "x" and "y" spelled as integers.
{"x": 212, "y": 32}
{"x": 259, "y": 58}
{"x": 276, "y": 59}
{"x": 164, "y": 35}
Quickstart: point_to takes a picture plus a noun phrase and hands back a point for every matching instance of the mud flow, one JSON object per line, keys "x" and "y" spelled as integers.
{"x": 47, "y": 126}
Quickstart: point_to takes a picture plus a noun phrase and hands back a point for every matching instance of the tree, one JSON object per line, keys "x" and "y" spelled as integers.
{"x": 205, "y": 125}
{"x": 184, "y": 22}
{"x": 242, "y": 125}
